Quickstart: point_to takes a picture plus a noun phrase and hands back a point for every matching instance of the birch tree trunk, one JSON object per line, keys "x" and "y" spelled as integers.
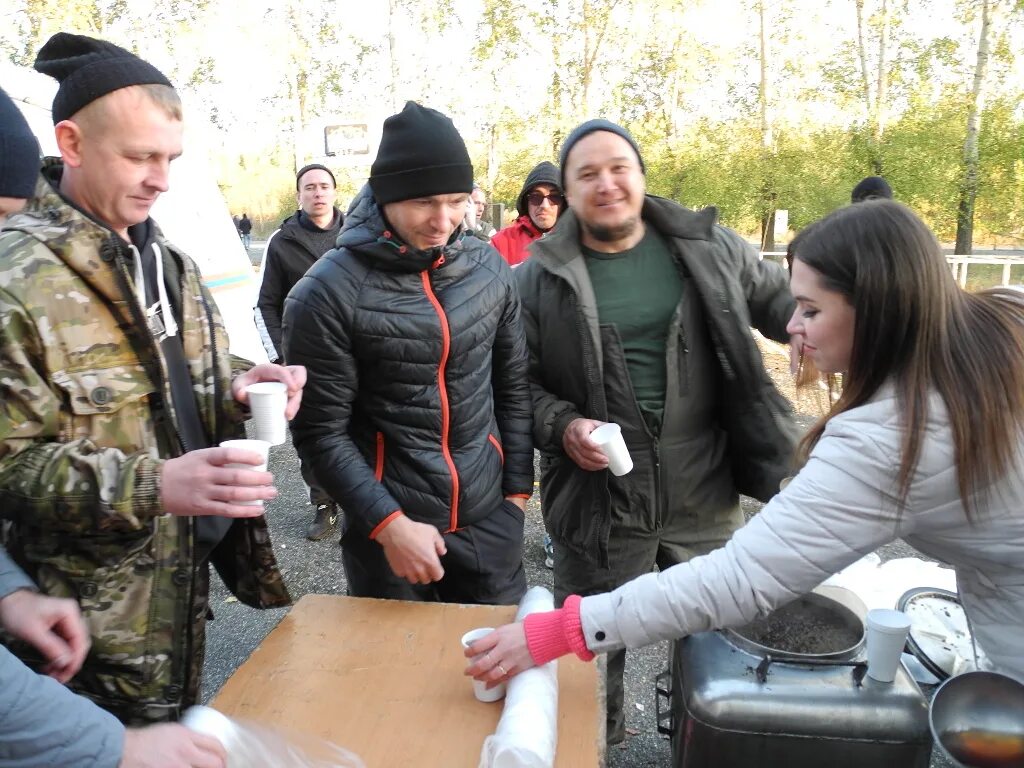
{"x": 768, "y": 195}
{"x": 862, "y": 54}
{"x": 882, "y": 84}
{"x": 969, "y": 183}
{"x": 875, "y": 104}
{"x": 596, "y": 17}
{"x": 393, "y": 54}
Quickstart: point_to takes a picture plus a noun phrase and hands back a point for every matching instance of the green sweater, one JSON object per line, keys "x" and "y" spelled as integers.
{"x": 638, "y": 291}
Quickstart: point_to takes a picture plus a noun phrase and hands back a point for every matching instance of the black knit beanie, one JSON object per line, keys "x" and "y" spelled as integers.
{"x": 421, "y": 154}
{"x": 87, "y": 69}
{"x": 19, "y": 152}
{"x": 542, "y": 173}
{"x": 589, "y": 127}
{"x": 313, "y": 167}
{"x": 870, "y": 188}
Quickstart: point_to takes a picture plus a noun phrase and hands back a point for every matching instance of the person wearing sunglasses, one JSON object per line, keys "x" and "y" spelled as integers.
{"x": 540, "y": 203}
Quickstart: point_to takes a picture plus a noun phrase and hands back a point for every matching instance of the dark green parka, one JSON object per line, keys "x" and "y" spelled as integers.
{"x": 725, "y": 430}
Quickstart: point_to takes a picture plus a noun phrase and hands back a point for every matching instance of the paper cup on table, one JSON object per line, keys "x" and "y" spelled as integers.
{"x": 267, "y": 402}
{"x": 480, "y": 690}
{"x": 262, "y": 447}
{"x": 609, "y": 438}
{"x": 886, "y": 635}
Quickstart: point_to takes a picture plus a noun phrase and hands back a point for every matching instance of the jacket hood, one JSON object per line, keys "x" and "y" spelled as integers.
{"x": 561, "y": 244}
{"x": 367, "y": 233}
{"x": 542, "y": 173}
{"x": 291, "y": 223}
{"x": 75, "y": 236}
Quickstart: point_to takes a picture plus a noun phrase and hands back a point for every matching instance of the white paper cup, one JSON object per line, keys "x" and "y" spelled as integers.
{"x": 262, "y": 447}
{"x": 480, "y": 690}
{"x": 609, "y": 439}
{"x": 267, "y": 403}
{"x": 886, "y": 635}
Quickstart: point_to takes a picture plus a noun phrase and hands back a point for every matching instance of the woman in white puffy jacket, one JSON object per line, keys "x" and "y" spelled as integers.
{"x": 924, "y": 444}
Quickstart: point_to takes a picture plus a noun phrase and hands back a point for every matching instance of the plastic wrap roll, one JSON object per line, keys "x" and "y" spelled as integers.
{"x": 527, "y": 732}
{"x": 254, "y": 745}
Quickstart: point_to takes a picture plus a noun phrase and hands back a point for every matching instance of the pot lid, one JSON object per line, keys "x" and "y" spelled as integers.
{"x": 940, "y": 636}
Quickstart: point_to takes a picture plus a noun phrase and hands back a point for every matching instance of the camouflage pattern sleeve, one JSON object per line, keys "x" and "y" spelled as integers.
{"x": 51, "y": 475}
{"x": 235, "y": 410}
{"x": 239, "y": 365}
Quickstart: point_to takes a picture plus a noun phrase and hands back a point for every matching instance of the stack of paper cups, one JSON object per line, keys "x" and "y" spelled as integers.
{"x": 267, "y": 402}
{"x": 609, "y": 438}
{"x": 886, "y": 635}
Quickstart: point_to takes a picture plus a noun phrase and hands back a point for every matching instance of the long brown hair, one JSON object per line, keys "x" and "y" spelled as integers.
{"x": 915, "y": 327}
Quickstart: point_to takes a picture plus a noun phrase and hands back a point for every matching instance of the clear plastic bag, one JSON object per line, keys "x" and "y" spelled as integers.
{"x": 254, "y": 745}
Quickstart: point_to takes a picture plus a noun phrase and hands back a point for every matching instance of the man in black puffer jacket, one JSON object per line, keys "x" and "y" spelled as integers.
{"x": 416, "y": 417}
{"x": 303, "y": 238}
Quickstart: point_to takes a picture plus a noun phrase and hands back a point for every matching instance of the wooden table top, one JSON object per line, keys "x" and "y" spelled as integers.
{"x": 383, "y": 678}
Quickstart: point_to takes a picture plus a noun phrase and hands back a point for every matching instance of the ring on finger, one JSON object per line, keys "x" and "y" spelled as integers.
{"x": 502, "y": 670}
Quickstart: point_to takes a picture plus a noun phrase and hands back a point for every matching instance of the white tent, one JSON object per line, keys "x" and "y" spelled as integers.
{"x": 192, "y": 213}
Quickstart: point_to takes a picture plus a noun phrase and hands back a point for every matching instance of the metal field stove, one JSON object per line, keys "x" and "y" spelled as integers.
{"x": 791, "y": 690}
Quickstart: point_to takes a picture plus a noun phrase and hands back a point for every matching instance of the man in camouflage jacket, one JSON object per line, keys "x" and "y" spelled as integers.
{"x": 108, "y": 502}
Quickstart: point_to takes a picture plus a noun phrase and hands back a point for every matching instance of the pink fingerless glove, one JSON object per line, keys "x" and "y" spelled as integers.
{"x": 556, "y": 633}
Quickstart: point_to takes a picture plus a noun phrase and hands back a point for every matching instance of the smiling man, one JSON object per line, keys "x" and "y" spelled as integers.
{"x": 116, "y": 392}
{"x": 417, "y": 417}
{"x": 303, "y": 238}
{"x": 638, "y": 311}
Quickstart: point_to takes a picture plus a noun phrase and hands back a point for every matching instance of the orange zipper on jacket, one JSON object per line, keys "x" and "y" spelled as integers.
{"x": 453, "y": 514}
{"x": 497, "y": 447}
{"x": 379, "y": 470}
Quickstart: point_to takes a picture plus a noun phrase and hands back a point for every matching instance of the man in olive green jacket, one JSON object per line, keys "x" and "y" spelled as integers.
{"x": 638, "y": 311}
{"x": 115, "y": 380}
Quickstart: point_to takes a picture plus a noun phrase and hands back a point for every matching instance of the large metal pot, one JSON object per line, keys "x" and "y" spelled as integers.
{"x": 737, "y": 701}
{"x": 797, "y": 630}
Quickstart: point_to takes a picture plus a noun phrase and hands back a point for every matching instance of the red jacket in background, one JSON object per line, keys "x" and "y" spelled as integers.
{"x": 512, "y": 241}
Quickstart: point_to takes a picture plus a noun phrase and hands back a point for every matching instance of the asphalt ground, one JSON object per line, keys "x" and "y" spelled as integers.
{"x": 315, "y": 568}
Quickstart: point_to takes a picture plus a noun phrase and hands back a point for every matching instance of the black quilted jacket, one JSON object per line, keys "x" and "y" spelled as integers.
{"x": 417, "y": 397}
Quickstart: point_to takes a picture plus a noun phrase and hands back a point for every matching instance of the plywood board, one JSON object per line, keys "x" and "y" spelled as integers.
{"x": 384, "y": 679}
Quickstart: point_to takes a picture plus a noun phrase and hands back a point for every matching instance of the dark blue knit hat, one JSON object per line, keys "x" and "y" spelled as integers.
{"x": 313, "y": 167}
{"x": 870, "y": 188}
{"x": 591, "y": 126}
{"x": 421, "y": 154}
{"x": 19, "y": 152}
{"x": 88, "y": 69}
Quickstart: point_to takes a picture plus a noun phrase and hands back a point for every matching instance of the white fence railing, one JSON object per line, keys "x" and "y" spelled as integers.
{"x": 958, "y": 264}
